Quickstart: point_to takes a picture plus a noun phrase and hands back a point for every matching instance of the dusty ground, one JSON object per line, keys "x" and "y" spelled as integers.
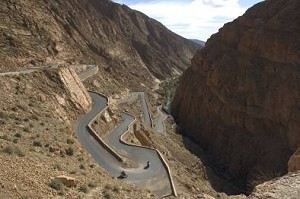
{"x": 187, "y": 170}
{"x": 37, "y": 143}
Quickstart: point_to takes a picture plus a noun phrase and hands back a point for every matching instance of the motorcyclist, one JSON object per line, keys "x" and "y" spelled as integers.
{"x": 123, "y": 174}
{"x": 148, "y": 165}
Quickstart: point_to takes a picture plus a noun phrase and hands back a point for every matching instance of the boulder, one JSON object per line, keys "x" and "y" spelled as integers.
{"x": 66, "y": 180}
{"x": 294, "y": 162}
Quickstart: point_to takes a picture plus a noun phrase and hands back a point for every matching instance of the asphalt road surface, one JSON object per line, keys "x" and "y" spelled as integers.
{"x": 155, "y": 178}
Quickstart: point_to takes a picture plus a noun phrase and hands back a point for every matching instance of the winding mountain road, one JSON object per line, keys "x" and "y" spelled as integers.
{"x": 155, "y": 178}
{"x": 159, "y": 122}
{"x": 144, "y": 105}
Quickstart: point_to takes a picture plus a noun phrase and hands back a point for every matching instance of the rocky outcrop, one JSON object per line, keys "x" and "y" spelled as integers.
{"x": 294, "y": 162}
{"x": 66, "y": 180}
{"x": 113, "y": 36}
{"x": 240, "y": 99}
{"x": 75, "y": 88}
{"x": 286, "y": 187}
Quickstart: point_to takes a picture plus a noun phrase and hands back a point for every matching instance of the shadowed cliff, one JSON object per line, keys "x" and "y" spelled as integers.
{"x": 240, "y": 99}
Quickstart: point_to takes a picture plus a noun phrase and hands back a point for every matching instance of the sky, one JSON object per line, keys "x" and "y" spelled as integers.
{"x": 192, "y": 19}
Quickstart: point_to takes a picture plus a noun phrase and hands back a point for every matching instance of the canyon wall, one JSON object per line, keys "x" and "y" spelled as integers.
{"x": 118, "y": 39}
{"x": 240, "y": 99}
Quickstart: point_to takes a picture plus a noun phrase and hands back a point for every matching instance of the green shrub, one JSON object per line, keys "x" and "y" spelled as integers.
{"x": 106, "y": 194}
{"x": 15, "y": 109}
{"x": 5, "y": 137}
{"x": 107, "y": 186}
{"x": 4, "y": 115}
{"x": 80, "y": 159}
{"x": 56, "y": 184}
{"x": 31, "y": 104}
{"x": 18, "y": 135}
{"x": 81, "y": 166}
{"x": 116, "y": 189}
{"x": 18, "y": 152}
{"x": 92, "y": 185}
{"x": 37, "y": 143}
{"x": 9, "y": 150}
{"x": 70, "y": 141}
{"x": 83, "y": 188}
{"x": 13, "y": 150}
{"x": 69, "y": 151}
{"x": 26, "y": 129}
{"x": 23, "y": 107}
{"x": 35, "y": 117}
{"x": 73, "y": 172}
{"x": 57, "y": 166}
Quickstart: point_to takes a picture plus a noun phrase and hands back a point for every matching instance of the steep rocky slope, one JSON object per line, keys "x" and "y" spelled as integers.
{"x": 120, "y": 40}
{"x": 37, "y": 141}
{"x": 240, "y": 99}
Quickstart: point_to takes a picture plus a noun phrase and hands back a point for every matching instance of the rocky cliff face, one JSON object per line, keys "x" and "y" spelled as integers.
{"x": 118, "y": 39}
{"x": 240, "y": 99}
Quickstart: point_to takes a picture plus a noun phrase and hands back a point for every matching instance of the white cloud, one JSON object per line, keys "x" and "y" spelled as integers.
{"x": 196, "y": 19}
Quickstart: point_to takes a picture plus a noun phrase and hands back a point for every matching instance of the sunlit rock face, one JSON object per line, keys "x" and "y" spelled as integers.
{"x": 120, "y": 40}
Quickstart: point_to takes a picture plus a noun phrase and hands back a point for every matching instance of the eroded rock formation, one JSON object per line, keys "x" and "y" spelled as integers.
{"x": 241, "y": 98}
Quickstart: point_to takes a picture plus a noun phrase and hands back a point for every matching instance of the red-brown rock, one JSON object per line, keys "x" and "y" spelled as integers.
{"x": 123, "y": 41}
{"x": 241, "y": 98}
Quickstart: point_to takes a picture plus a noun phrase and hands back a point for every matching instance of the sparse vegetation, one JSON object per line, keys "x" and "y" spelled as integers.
{"x": 4, "y": 115}
{"x": 73, "y": 172}
{"x": 70, "y": 141}
{"x": 37, "y": 144}
{"x": 169, "y": 88}
{"x": 83, "y": 188}
{"x": 80, "y": 159}
{"x": 58, "y": 167}
{"x": 31, "y": 104}
{"x": 69, "y": 151}
{"x": 13, "y": 150}
{"x": 15, "y": 109}
{"x": 26, "y": 129}
{"x": 92, "y": 185}
{"x": 107, "y": 186}
{"x": 23, "y": 107}
{"x": 18, "y": 135}
{"x": 56, "y": 184}
{"x": 18, "y": 152}
{"x": 5, "y": 137}
{"x": 107, "y": 195}
{"x": 34, "y": 117}
{"x": 81, "y": 166}
{"x": 9, "y": 150}
{"x": 116, "y": 189}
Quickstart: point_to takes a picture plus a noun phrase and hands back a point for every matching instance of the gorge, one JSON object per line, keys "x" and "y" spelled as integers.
{"x": 240, "y": 98}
